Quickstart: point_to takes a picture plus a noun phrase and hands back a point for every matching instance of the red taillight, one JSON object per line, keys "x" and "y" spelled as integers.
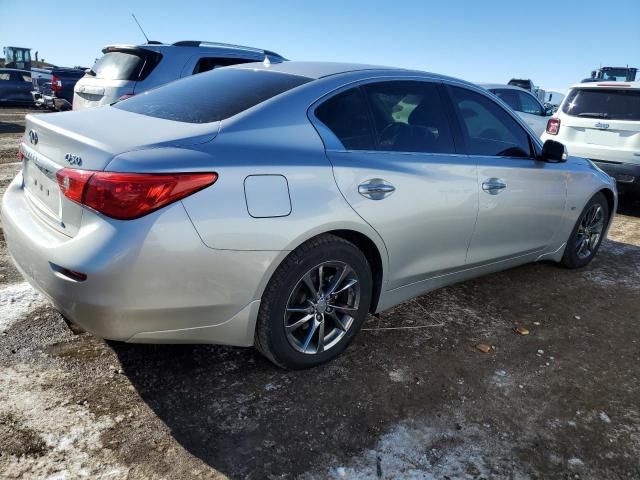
{"x": 56, "y": 84}
{"x": 126, "y": 196}
{"x": 125, "y": 96}
{"x": 20, "y": 154}
{"x": 553, "y": 126}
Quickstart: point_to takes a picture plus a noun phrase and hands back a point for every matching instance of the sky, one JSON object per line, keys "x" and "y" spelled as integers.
{"x": 554, "y": 43}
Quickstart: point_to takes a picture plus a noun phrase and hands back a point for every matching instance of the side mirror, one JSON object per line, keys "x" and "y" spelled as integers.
{"x": 549, "y": 111}
{"x": 553, "y": 152}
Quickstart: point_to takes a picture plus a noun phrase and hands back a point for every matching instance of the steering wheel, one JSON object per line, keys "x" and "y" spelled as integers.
{"x": 391, "y": 133}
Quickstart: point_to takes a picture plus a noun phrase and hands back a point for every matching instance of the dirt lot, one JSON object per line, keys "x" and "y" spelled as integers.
{"x": 420, "y": 402}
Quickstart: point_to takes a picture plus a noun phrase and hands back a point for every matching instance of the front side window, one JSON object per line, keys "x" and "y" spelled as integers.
{"x": 346, "y": 115}
{"x": 530, "y": 104}
{"x": 212, "y": 96}
{"x": 487, "y": 128}
{"x": 409, "y": 116}
{"x": 609, "y": 103}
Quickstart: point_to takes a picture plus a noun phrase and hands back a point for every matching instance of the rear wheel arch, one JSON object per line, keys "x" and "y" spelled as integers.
{"x": 373, "y": 253}
{"x": 611, "y": 203}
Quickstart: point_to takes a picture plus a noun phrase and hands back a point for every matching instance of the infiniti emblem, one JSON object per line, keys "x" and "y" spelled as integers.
{"x": 73, "y": 159}
{"x": 33, "y": 137}
{"x": 602, "y": 126}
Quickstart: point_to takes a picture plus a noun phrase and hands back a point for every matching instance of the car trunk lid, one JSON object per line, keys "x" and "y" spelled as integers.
{"x": 80, "y": 140}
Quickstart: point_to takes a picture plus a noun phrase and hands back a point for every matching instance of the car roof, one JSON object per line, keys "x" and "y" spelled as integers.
{"x": 608, "y": 84}
{"x": 317, "y": 70}
{"x": 193, "y": 46}
{"x": 490, "y": 86}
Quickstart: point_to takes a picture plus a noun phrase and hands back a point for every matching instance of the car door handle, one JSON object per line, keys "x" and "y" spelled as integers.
{"x": 494, "y": 186}
{"x": 376, "y": 189}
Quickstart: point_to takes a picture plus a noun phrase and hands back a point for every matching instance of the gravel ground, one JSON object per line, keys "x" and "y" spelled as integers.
{"x": 418, "y": 403}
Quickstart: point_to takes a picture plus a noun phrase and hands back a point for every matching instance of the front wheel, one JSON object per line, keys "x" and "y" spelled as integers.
{"x": 314, "y": 304}
{"x": 588, "y": 233}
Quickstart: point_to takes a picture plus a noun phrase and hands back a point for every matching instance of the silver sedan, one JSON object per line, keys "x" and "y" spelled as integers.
{"x": 278, "y": 205}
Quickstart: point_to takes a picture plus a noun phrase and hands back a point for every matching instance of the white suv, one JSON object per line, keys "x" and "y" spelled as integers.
{"x": 601, "y": 121}
{"x": 127, "y": 70}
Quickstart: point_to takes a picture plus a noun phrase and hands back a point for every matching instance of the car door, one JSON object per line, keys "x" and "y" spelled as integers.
{"x": 522, "y": 200}
{"x": 394, "y": 159}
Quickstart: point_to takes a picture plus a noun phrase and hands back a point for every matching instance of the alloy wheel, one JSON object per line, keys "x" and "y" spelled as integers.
{"x": 590, "y": 231}
{"x": 322, "y": 307}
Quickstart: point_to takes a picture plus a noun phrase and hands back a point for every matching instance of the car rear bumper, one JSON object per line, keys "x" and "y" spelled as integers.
{"x": 627, "y": 175}
{"x": 150, "y": 280}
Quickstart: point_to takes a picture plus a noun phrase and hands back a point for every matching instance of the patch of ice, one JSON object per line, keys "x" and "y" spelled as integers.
{"x": 423, "y": 451}
{"x": 604, "y": 417}
{"x": 399, "y": 375}
{"x": 575, "y": 462}
{"x": 16, "y": 301}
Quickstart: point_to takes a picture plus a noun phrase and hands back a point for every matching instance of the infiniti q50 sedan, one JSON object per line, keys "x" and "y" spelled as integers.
{"x": 277, "y": 205}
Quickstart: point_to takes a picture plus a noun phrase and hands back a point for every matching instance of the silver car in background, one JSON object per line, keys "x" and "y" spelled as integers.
{"x": 127, "y": 70}
{"x": 524, "y": 103}
{"x": 289, "y": 202}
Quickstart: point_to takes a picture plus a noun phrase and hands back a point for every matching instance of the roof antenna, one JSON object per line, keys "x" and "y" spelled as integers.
{"x": 140, "y": 27}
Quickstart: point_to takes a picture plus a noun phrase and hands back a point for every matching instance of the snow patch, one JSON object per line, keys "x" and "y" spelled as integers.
{"x": 424, "y": 451}
{"x": 16, "y": 301}
{"x": 72, "y": 433}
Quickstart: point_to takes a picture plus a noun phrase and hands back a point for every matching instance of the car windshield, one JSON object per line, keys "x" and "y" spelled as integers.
{"x": 211, "y": 96}
{"x": 610, "y": 103}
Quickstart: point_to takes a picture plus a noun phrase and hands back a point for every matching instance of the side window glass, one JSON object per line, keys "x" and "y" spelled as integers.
{"x": 347, "y": 117}
{"x": 510, "y": 97}
{"x": 488, "y": 129}
{"x": 529, "y": 104}
{"x": 209, "y": 63}
{"x": 409, "y": 116}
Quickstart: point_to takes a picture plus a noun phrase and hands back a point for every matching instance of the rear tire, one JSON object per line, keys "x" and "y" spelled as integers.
{"x": 322, "y": 288}
{"x": 588, "y": 233}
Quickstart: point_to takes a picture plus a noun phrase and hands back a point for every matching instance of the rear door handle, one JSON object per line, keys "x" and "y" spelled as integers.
{"x": 494, "y": 186}
{"x": 376, "y": 189}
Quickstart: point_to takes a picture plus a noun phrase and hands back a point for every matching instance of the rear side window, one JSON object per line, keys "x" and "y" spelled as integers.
{"x": 125, "y": 65}
{"x": 487, "y": 128}
{"x": 508, "y": 96}
{"x": 609, "y": 103}
{"x": 409, "y": 116}
{"x": 208, "y": 63}
{"x": 212, "y": 96}
{"x": 347, "y": 117}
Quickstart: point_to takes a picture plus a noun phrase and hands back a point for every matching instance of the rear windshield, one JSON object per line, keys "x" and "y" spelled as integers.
{"x": 121, "y": 65}
{"x": 211, "y": 96}
{"x": 614, "y": 104}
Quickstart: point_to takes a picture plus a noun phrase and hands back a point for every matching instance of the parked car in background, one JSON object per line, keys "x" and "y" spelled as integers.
{"x": 127, "y": 70}
{"x": 601, "y": 121}
{"x": 15, "y": 87}
{"x": 53, "y": 87}
{"x": 552, "y": 100}
{"x": 613, "y": 74}
{"x": 524, "y": 103}
{"x": 277, "y": 205}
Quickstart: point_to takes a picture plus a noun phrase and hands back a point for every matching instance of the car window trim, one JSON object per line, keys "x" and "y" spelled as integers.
{"x": 333, "y": 144}
{"x": 533, "y": 142}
